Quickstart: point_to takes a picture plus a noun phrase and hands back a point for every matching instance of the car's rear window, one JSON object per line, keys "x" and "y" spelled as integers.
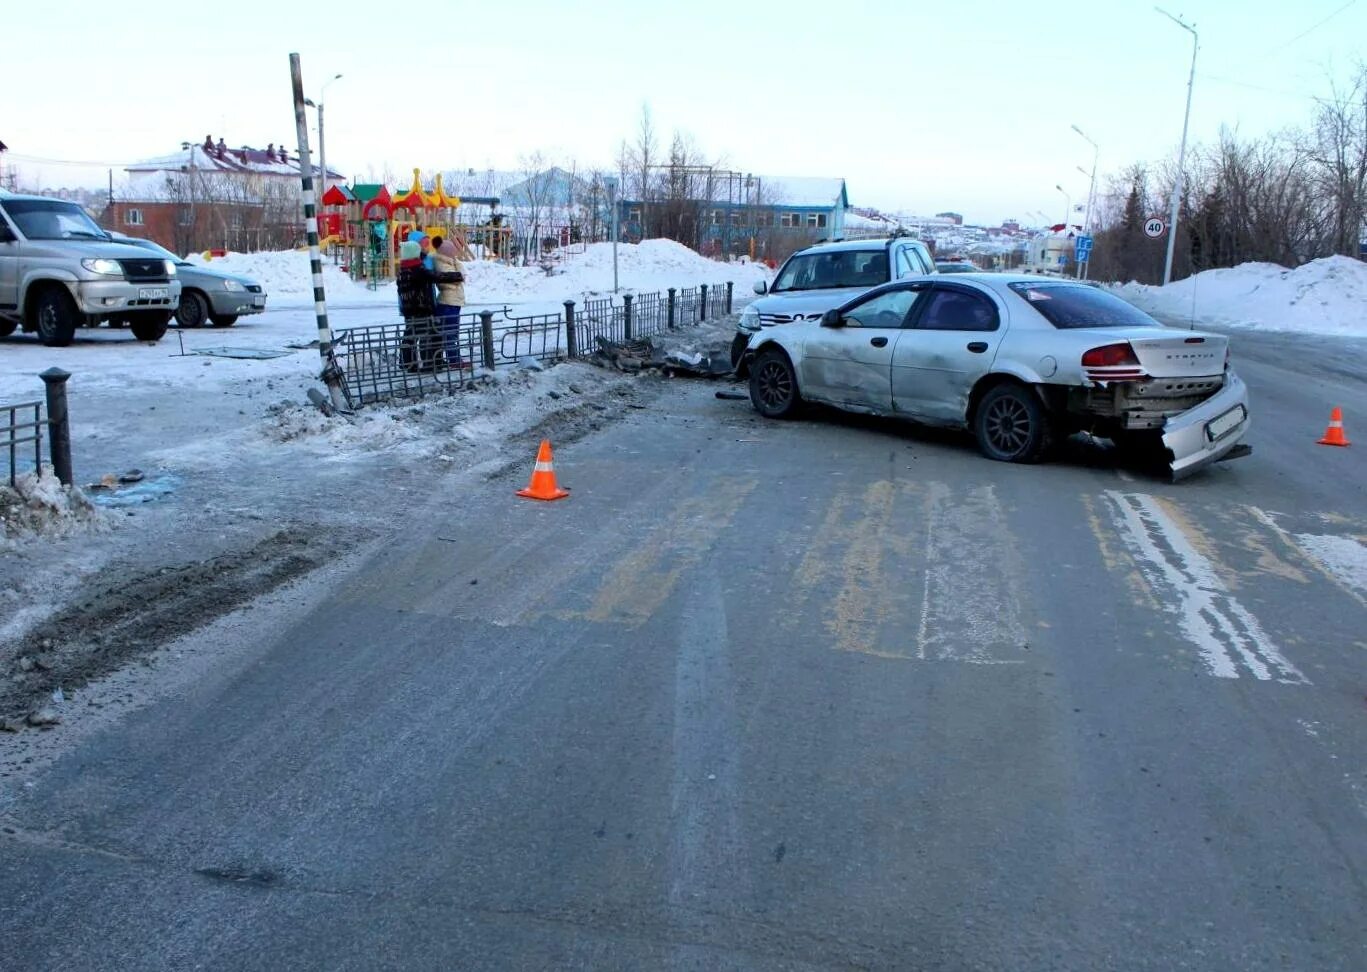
{"x": 1077, "y": 305}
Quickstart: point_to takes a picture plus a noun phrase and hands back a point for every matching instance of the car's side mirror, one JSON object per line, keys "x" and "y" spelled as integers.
{"x": 832, "y": 318}
{"x": 761, "y": 287}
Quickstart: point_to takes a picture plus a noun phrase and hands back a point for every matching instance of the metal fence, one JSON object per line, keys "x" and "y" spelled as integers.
{"x": 16, "y": 435}
{"x": 410, "y": 360}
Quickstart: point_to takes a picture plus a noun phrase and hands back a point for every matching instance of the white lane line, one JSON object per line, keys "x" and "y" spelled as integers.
{"x": 1222, "y": 630}
{"x": 970, "y": 607}
{"x": 1341, "y": 559}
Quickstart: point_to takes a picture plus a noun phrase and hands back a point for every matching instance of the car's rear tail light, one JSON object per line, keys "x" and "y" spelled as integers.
{"x": 1109, "y": 356}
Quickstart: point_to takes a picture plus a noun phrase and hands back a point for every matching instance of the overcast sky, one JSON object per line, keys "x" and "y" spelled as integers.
{"x": 922, "y": 107}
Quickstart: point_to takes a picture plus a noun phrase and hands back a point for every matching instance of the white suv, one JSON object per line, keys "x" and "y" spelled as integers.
{"x": 826, "y": 276}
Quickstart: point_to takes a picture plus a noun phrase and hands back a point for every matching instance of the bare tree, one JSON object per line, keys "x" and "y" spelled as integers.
{"x": 1337, "y": 149}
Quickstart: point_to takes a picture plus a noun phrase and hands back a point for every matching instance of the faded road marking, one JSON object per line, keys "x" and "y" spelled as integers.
{"x": 645, "y": 577}
{"x": 970, "y": 608}
{"x": 1341, "y": 559}
{"x": 1223, "y": 631}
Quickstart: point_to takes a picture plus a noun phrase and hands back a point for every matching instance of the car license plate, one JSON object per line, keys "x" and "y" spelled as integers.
{"x": 259, "y": 301}
{"x": 1222, "y": 425}
{"x": 153, "y": 293}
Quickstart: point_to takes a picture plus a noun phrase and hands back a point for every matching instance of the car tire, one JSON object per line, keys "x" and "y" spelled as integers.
{"x": 150, "y": 327}
{"x": 1012, "y": 425}
{"x": 773, "y": 385}
{"x": 57, "y": 317}
{"x": 223, "y": 320}
{"x": 193, "y": 310}
{"x": 7, "y": 328}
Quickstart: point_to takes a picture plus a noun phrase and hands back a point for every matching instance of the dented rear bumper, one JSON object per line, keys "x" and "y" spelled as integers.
{"x": 1209, "y": 432}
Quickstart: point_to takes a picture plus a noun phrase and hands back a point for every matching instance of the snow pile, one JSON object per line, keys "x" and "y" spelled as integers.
{"x": 39, "y": 505}
{"x": 654, "y": 265}
{"x": 1326, "y": 296}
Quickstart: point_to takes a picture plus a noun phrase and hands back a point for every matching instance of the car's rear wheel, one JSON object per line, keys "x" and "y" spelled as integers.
{"x": 149, "y": 326}
{"x": 1012, "y": 425}
{"x": 193, "y": 310}
{"x": 773, "y": 385}
{"x": 223, "y": 320}
{"x": 57, "y": 317}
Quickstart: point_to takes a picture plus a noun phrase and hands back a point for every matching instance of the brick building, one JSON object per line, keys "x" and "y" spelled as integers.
{"x": 209, "y": 196}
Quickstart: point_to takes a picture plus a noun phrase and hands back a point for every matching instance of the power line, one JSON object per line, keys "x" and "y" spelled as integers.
{"x": 1311, "y": 29}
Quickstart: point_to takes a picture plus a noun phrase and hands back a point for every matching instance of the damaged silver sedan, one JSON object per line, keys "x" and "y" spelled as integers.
{"x": 1020, "y": 361}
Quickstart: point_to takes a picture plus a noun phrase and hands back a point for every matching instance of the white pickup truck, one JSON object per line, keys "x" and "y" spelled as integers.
{"x": 60, "y": 271}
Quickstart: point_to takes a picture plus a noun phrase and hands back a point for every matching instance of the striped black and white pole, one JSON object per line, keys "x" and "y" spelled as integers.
{"x": 332, "y": 373}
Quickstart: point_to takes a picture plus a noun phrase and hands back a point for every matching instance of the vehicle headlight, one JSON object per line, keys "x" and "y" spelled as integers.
{"x": 749, "y": 320}
{"x": 232, "y": 286}
{"x": 170, "y": 268}
{"x": 109, "y": 268}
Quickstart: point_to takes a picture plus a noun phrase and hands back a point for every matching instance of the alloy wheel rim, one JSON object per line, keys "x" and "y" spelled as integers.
{"x": 774, "y": 384}
{"x": 1008, "y": 426}
{"x": 193, "y": 315}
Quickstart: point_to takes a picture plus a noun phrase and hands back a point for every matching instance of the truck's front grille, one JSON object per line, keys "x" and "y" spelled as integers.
{"x": 144, "y": 270}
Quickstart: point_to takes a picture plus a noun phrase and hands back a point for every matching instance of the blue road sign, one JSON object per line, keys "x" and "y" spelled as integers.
{"x": 1084, "y": 248}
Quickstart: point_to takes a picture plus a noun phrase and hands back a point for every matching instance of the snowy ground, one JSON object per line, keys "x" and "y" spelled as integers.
{"x": 1327, "y": 296}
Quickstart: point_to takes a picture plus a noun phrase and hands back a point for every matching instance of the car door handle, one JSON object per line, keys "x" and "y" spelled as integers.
{"x": 879, "y": 342}
{"x": 977, "y": 347}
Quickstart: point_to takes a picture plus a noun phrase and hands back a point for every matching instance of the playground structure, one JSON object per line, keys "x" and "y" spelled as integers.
{"x": 361, "y": 226}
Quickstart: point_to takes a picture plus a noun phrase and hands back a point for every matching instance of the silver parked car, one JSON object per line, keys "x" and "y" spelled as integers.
{"x": 207, "y": 296}
{"x": 1019, "y": 360}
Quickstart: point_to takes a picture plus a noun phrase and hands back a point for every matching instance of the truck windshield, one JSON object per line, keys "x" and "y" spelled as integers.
{"x": 52, "y": 219}
{"x": 834, "y": 268}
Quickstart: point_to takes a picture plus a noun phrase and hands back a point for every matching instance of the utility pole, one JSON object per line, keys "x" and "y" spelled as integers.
{"x": 612, "y": 201}
{"x": 1091, "y": 192}
{"x": 1181, "y": 152}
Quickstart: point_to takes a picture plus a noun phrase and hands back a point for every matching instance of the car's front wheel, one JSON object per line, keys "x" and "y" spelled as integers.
{"x": 149, "y": 326}
{"x": 773, "y": 385}
{"x": 57, "y": 317}
{"x": 193, "y": 310}
{"x": 1012, "y": 425}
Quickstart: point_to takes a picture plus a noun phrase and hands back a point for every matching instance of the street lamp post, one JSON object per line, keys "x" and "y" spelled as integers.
{"x": 322, "y": 141}
{"x": 1091, "y": 194}
{"x": 190, "y": 148}
{"x": 1067, "y": 207}
{"x": 1181, "y": 152}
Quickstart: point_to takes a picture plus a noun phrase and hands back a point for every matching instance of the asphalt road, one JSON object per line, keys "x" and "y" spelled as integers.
{"x": 834, "y": 693}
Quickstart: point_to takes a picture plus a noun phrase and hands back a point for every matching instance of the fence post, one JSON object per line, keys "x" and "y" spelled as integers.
{"x": 671, "y": 308}
{"x": 626, "y": 316}
{"x": 729, "y": 285}
{"x": 702, "y": 303}
{"x": 59, "y": 425}
{"x": 571, "y": 338}
{"x": 486, "y": 334}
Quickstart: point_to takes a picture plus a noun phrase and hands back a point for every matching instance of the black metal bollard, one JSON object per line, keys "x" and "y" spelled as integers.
{"x": 626, "y": 316}
{"x": 730, "y": 285}
{"x": 486, "y": 334}
{"x": 702, "y": 303}
{"x": 59, "y": 424}
{"x": 571, "y": 338}
{"x": 671, "y": 308}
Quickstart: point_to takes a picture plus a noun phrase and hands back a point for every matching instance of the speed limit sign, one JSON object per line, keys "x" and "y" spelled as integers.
{"x": 1154, "y": 227}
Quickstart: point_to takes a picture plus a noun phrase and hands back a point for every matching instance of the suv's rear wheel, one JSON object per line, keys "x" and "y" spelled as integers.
{"x": 193, "y": 310}
{"x": 149, "y": 326}
{"x": 1012, "y": 425}
{"x": 56, "y": 315}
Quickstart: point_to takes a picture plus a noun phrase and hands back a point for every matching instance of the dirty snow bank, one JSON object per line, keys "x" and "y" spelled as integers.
{"x": 642, "y": 267}
{"x": 40, "y": 506}
{"x": 1326, "y": 296}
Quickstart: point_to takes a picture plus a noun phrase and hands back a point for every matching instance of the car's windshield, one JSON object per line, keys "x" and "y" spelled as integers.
{"x": 156, "y": 248}
{"x": 1077, "y": 305}
{"x": 834, "y": 268}
{"x": 52, "y": 219}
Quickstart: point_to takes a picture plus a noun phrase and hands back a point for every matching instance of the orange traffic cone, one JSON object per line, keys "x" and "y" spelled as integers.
{"x": 542, "y": 486}
{"x": 1334, "y": 434}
